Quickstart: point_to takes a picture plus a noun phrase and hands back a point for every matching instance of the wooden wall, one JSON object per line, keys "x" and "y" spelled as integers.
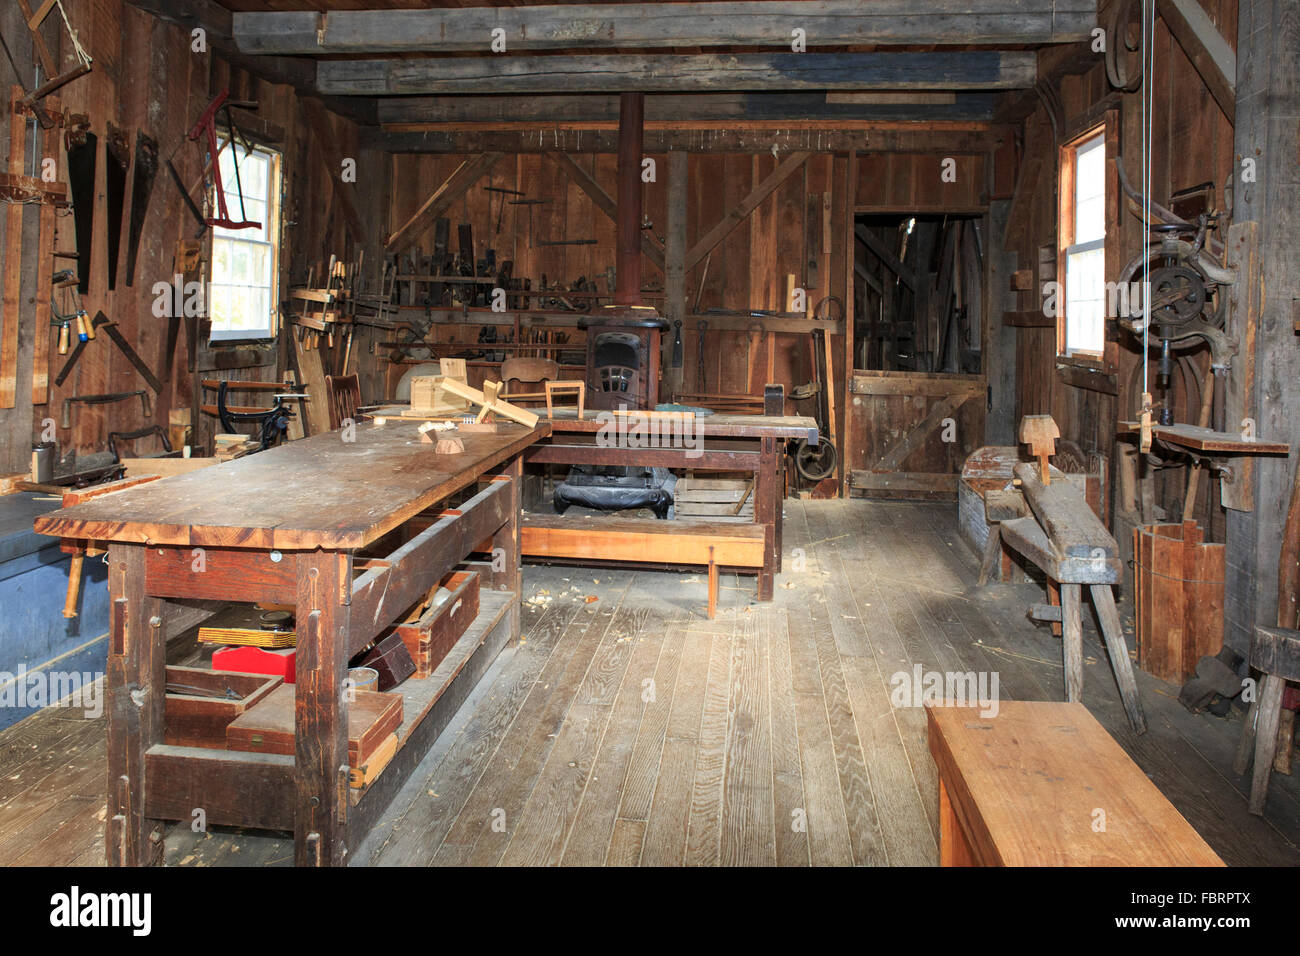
{"x": 146, "y": 76}
{"x": 1192, "y": 144}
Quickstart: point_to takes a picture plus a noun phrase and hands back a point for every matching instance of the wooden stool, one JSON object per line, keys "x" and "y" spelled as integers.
{"x": 1275, "y": 652}
{"x": 562, "y": 388}
{"x": 1043, "y": 784}
{"x": 1070, "y": 545}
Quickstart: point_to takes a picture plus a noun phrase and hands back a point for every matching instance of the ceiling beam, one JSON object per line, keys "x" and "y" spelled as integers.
{"x": 676, "y": 108}
{"x": 215, "y": 20}
{"x": 668, "y": 73}
{"x": 947, "y": 139}
{"x": 655, "y": 25}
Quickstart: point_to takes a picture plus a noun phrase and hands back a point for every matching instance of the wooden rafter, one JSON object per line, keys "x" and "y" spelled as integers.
{"x": 1206, "y": 47}
{"x": 741, "y": 211}
{"x": 650, "y": 25}
{"x": 453, "y": 187}
{"x": 667, "y": 73}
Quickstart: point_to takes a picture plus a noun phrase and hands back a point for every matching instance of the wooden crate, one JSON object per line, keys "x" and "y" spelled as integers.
{"x": 198, "y": 720}
{"x": 1178, "y": 603}
{"x": 435, "y": 630}
{"x": 268, "y": 727}
{"x": 428, "y": 397}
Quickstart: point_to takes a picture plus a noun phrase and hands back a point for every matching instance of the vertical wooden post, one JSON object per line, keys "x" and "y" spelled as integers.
{"x": 767, "y": 512}
{"x": 136, "y": 683}
{"x": 631, "y": 115}
{"x": 675, "y": 268}
{"x": 1072, "y": 638}
{"x": 506, "y": 543}
{"x": 321, "y": 712}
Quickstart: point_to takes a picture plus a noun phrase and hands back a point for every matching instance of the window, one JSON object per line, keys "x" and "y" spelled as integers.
{"x": 1082, "y": 240}
{"x": 243, "y": 295}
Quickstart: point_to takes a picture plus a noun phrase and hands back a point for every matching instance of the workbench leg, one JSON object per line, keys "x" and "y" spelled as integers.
{"x": 136, "y": 682}
{"x": 1104, "y": 601}
{"x": 992, "y": 555}
{"x": 321, "y": 713}
{"x": 767, "y": 512}
{"x": 1270, "y": 709}
{"x": 954, "y": 849}
{"x": 506, "y": 544}
{"x": 1072, "y": 638}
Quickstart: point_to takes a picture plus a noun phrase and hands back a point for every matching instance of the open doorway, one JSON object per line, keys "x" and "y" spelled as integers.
{"x": 919, "y": 287}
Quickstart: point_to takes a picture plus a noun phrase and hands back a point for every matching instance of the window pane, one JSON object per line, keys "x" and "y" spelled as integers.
{"x": 243, "y": 280}
{"x": 1090, "y": 191}
{"x": 1085, "y": 305}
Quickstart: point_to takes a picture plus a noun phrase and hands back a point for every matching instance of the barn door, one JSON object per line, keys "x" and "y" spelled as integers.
{"x": 912, "y": 431}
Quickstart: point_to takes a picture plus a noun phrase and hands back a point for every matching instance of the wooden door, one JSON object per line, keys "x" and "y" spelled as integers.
{"x": 912, "y": 431}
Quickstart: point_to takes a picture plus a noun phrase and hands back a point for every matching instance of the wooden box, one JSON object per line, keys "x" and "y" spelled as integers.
{"x": 269, "y": 726}
{"x": 432, "y": 635}
{"x": 1178, "y": 598}
{"x": 193, "y": 717}
{"x": 428, "y": 397}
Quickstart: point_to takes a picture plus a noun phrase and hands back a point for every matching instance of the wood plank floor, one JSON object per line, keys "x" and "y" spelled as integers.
{"x": 631, "y": 730}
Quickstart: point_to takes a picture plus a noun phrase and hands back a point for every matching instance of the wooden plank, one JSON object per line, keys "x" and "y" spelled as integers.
{"x": 604, "y": 202}
{"x": 1214, "y": 59}
{"x": 630, "y": 539}
{"x": 13, "y": 276}
{"x": 650, "y": 25}
{"x": 930, "y": 384}
{"x": 904, "y": 481}
{"x": 892, "y": 458}
{"x": 1052, "y": 754}
{"x": 741, "y": 211}
{"x": 1071, "y": 525}
{"x": 452, "y": 188}
{"x": 234, "y": 789}
{"x": 322, "y": 131}
{"x": 530, "y": 75}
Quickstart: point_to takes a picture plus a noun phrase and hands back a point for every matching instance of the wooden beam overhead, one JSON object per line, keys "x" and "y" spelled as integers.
{"x": 947, "y": 139}
{"x": 453, "y": 187}
{"x": 604, "y": 202}
{"x": 1206, "y": 47}
{"x": 215, "y": 20}
{"x": 677, "y": 108}
{"x": 667, "y": 73}
{"x": 741, "y": 211}
{"x": 657, "y": 25}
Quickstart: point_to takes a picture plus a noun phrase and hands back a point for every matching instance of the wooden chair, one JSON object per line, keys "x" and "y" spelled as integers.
{"x": 527, "y": 371}
{"x": 343, "y": 395}
{"x": 1275, "y": 653}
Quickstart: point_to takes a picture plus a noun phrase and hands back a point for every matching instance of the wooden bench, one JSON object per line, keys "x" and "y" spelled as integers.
{"x": 1068, "y": 542}
{"x": 1043, "y": 784}
{"x": 709, "y": 544}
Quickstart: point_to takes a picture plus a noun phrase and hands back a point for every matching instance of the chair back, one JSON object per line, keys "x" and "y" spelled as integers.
{"x": 343, "y": 394}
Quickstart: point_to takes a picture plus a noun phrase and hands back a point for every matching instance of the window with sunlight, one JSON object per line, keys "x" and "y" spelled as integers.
{"x": 1084, "y": 236}
{"x": 243, "y": 299}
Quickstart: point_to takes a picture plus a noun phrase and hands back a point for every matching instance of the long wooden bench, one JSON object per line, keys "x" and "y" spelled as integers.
{"x": 1044, "y": 784}
{"x": 709, "y": 544}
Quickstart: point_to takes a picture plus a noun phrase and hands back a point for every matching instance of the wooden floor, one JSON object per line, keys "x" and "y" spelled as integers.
{"x": 630, "y": 730}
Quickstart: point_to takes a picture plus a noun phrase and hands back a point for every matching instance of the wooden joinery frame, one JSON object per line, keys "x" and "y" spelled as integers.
{"x": 742, "y": 210}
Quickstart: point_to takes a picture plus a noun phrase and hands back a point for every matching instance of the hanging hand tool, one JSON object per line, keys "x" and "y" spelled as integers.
{"x": 146, "y": 167}
{"x": 207, "y": 127}
{"x": 701, "y": 328}
{"x": 105, "y": 399}
{"x": 677, "y": 343}
{"x": 118, "y": 153}
{"x": 85, "y": 332}
{"x": 82, "y": 150}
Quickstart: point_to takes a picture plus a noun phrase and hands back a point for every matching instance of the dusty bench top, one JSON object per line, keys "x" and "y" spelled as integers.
{"x": 1033, "y": 785}
{"x": 320, "y": 492}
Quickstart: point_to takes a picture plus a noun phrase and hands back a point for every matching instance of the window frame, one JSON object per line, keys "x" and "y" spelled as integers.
{"x": 1099, "y": 134}
{"x": 273, "y": 241}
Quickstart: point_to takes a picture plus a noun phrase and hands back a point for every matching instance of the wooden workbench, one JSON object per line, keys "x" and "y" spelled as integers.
{"x": 738, "y": 443}
{"x": 285, "y": 526}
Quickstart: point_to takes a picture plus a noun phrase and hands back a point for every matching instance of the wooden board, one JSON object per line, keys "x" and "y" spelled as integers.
{"x": 1027, "y": 786}
{"x": 320, "y": 492}
{"x": 648, "y": 540}
{"x": 268, "y": 726}
{"x": 1206, "y": 439}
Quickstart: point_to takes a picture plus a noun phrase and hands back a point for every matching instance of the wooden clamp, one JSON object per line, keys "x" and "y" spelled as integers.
{"x": 1040, "y": 432}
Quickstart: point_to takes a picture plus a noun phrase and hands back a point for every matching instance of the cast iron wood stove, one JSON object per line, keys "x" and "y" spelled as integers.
{"x": 623, "y": 357}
